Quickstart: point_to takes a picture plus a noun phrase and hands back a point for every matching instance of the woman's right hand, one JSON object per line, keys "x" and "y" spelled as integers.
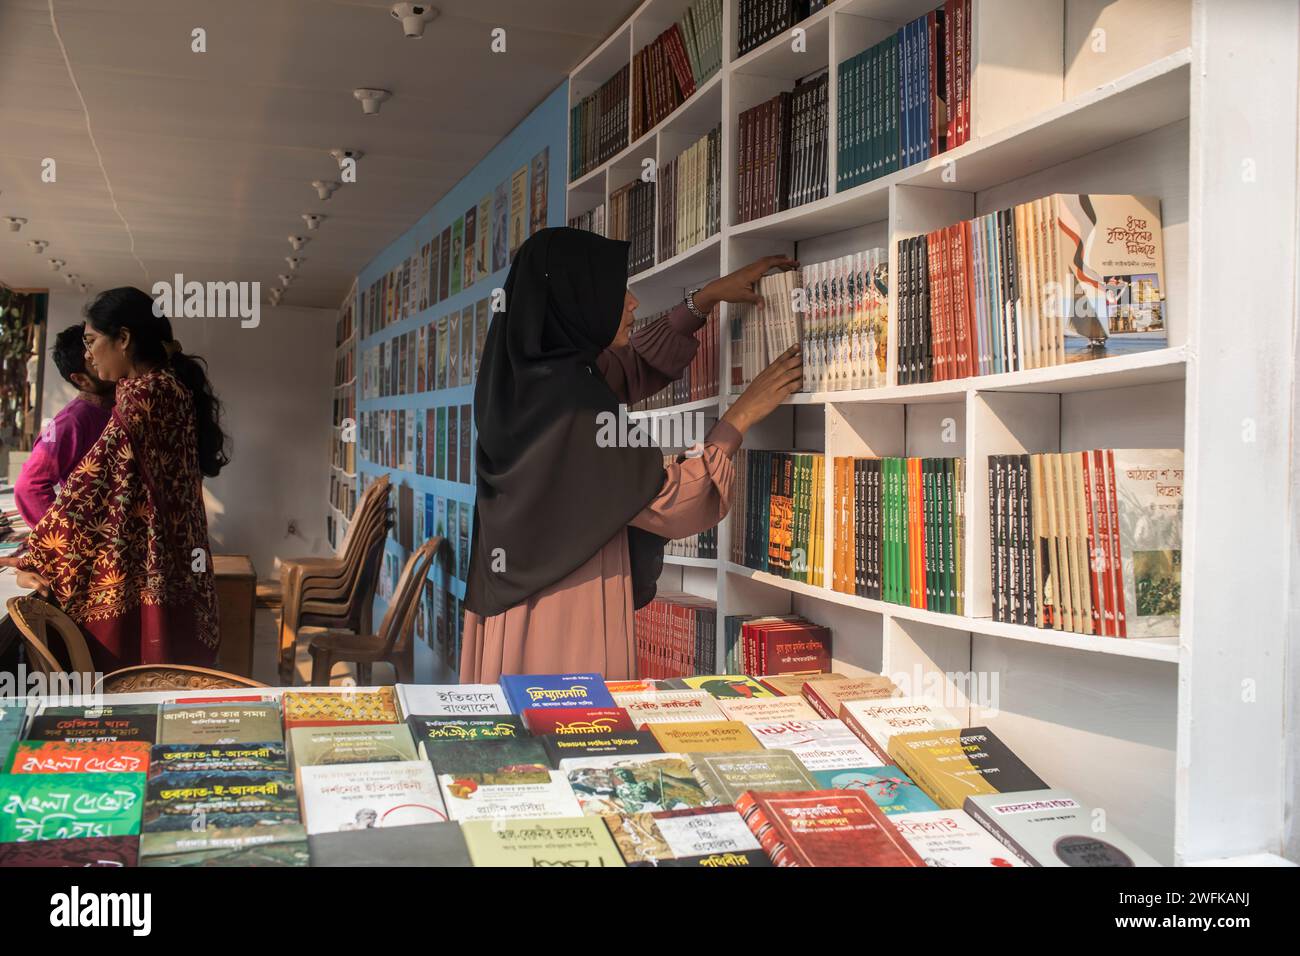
{"x": 768, "y": 389}
{"x": 34, "y": 582}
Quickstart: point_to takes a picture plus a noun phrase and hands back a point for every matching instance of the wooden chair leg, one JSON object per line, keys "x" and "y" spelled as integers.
{"x": 322, "y": 662}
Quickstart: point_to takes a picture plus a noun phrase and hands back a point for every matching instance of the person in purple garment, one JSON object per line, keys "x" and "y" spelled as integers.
{"x": 70, "y": 434}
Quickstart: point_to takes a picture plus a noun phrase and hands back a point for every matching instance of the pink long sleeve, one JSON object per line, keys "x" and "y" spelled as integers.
{"x": 655, "y": 357}
{"x": 696, "y": 493}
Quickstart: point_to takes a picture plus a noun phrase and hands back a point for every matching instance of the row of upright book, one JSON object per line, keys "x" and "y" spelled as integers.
{"x": 699, "y": 380}
{"x": 777, "y": 518}
{"x": 690, "y": 195}
{"x": 676, "y": 636}
{"x": 781, "y": 153}
{"x": 719, "y": 770}
{"x": 667, "y": 71}
{"x": 701, "y": 545}
{"x": 758, "y": 21}
{"x": 631, "y": 218}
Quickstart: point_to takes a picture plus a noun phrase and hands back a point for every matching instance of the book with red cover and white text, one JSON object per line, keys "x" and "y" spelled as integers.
{"x": 825, "y": 828}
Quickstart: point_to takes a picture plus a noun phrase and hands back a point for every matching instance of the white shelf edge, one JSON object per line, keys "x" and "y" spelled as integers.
{"x": 668, "y": 265}
{"x": 700, "y": 404}
{"x": 691, "y": 562}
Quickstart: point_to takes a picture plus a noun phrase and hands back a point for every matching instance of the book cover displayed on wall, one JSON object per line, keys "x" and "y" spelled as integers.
{"x": 555, "y": 690}
{"x": 501, "y": 251}
{"x": 951, "y": 838}
{"x": 453, "y": 445}
{"x": 825, "y": 828}
{"x": 466, "y": 445}
{"x": 447, "y": 700}
{"x": 444, "y": 264}
{"x": 463, "y": 550}
{"x": 1051, "y": 828}
{"x": 361, "y": 743}
{"x": 599, "y": 745}
{"x": 62, "y": 806}
{"x": 951, "y": 765}
{"x": 440, "y": 450}
{"x": 470, "y": 218}
{"x": 572, "y": 841}
{"x": 517, "y": 796}
{"x": 457, "y": 254}
{"x": 539, "y": 171}
{"x": 423, "y": 844}
{"x": 697, "y": 834}
{"x": 892, "y": 789}
{"x": 169, "y": 758}
{"x": 453, "y": 348}
{"x": 467, "y": 345}
{"x": 483, "y": 243}
{"x": 361, "y": 796}
{"x": 58, "y": 756}
{"x": 634, "y": 784}
{"x": 219, "y": 723}
{"x": 518, "y": 210}
{"x": 725, "y": 776}
{"x": 482, "y": 317}
{"x": 435, "y": 261}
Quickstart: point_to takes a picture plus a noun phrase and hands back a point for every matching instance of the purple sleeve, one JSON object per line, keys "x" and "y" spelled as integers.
{"x": 34, "y": 489}
{"x": 655, "y": 357}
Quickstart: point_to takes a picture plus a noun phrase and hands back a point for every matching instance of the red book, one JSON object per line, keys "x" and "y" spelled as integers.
{"x": 936, "y": 94}
{"x": 965, "y": 68}
{"x": 681, "y": 63}
{"x": 576, "y": 720}
{"x": 1099, "y": 543}
{"x": 1113, "y": 559}
{"x": 824, "y": 828}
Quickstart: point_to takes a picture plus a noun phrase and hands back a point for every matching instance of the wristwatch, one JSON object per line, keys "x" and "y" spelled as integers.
{"x": 690, "y": 304}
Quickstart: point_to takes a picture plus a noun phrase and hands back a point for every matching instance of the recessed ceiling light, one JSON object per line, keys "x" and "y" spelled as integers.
{"x": 371, "y": 98}
{"x": 413, "y": 17}
{"x": 323, "y": 188}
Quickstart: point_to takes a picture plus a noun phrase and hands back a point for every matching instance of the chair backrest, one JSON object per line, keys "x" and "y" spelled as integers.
{"x": 400, "y": 615}
{"x": 151, "y": 677}
{"x": 37, "y": 621}
{"x": 365, "y": 508}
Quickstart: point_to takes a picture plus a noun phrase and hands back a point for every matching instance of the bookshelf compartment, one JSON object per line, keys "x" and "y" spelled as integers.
{"x": 778, "y": 57}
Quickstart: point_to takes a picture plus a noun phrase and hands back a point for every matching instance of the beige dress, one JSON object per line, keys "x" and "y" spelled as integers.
{"x": 584, "y": 621}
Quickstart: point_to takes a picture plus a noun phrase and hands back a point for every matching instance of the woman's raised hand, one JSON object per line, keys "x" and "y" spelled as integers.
{"x": 738, "y": 286}
{"x": 768, "y": 389}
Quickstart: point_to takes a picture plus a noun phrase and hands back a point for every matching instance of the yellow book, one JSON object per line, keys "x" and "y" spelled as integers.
{"x": 704, "y": 736}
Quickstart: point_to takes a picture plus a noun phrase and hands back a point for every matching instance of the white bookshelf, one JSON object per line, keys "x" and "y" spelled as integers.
{"x": 1182, "y": 741}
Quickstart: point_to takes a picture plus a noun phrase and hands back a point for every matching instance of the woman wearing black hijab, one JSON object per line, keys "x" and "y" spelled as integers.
{"x": 569, "y": 526}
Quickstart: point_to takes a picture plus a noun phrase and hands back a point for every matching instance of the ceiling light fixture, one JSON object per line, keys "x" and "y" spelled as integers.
{"x": 312, "y": 219}
{"x": 370, "y": 99}
{"x": 341, "y": 154}
{"x": 37, "y": 245}
{"x": 57, "y": 264}
{"x": 15, "y": 222}
{"x": 285, "y": 279}
{"x": 413, "y": 17}
{"x": 298, "y": 242}
{"x": 323, "y": 188}
{"x": 294, "y": 262}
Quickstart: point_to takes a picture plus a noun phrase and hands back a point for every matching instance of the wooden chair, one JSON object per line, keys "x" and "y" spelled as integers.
{"x": 331, "y": 645}
{"x": 37, "y": 620}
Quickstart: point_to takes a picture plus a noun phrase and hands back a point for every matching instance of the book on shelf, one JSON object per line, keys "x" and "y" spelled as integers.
{"x": 819, "y": 744}
{"x": 951, "y": 838}
{"x": 1060, "y": 279}
{"x": 778, "y": 645}
{"x": 424, "y": 844}
{"x": 876, "y": 721}
{"x": 572, "y": 841}
{"x": 725, "y": 776}
{"x": 1051, "y": 828}
{"x": 676, "y": 636}
{"x": 632, "y": 219}
{"x": 699, "y": 836}
{"x": 1088, "y": 542}
{"x": 593, "y": 220}
{"x": 758, "y": 21}
{"x": 778, "y": 517}
{"x": 63, "y": 806}
{"x": 655, "y": 707}
{"x": 704, "y": 736}
{"x": 825, "y": 828}
{"x": 635, "y": 783}
{"x": 892, "y": 789}
{"x": 359, "y": 796}
{"x": 950, "y": 765}
{"x": 58, "y": 756}
{"x": 900, "y": 529}
{"x": 359, "y": 743}
{"x": 828, "y": 697}
{"x": 599, "y": 745}
{"x": 699, "y": 380}
{"x": 782, "y": 155}
{"x": 555, "y": 690}
{"x": 672, "y": 66}
{"x": 690, "y": 195}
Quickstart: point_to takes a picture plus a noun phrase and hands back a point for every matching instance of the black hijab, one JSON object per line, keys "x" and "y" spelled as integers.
{"x": 549, "y": 497}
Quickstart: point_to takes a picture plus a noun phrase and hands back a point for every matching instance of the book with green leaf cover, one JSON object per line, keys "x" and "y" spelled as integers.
{"x": 358, "y": 743}
{"x": 569, "y": 842}
{"x": 61, "y": 806}
{"x": 725, "y": 776}
{"x": 951, "y": 765}
{"x": 224, "y": 723}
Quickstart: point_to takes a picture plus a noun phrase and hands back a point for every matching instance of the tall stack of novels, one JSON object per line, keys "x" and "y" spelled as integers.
{"x": 669, "y": 69}
{"x": 593, "y": 220}
{"x": 782, "y": 155}
{"x": 894, "y": 97}
{"x": 632, "y": 219}
{"x": 900, "y": 525}
{"x": 846, "y": 322}
{"x": 1088, "y": 542}
{"x": 699, "y": 380}
{"x": 777, "y": 520}
{"x": 598, "y": 125}
{"x": 702, "y": 545}
{"x": 760, "y": 20}
{"x": 676, "y": 636}
{"x": 690, "y": 195}
{"x": 1064, "y": 278}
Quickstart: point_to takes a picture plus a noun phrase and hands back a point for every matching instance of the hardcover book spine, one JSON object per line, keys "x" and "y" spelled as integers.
{"x": 769, "y": 838}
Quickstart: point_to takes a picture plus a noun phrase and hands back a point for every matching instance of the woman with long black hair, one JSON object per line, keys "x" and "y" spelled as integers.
{"x": 124, "y": 549}
{"x": 569, "y": 527}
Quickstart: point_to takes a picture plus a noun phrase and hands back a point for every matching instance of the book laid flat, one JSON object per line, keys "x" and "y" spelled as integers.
{"x": 892, "y": 789}
{"x": 724, "y": 686}
{"x": 468, "y": 799}
{"x": 359, "y": 796}
{"x": 572, "y": 841}
{"x": 599, "y": 745}
{"x": 209, "y": 804}
{"x": 951, "y": 765}
{"x": 61, "y": 806}
{"x": 116, "y": 722}
{"x": 485, "y": 760}
{"x": 876, "y": 721}
{"x": 424, "y": 844}
{"x": 1051, "y": 828}
{"x": 649, "y": 839}
{"x": 827, "y": 697}
{"x": 320, "y": 709}
{"x": 351, "y": 743}
{"x": 825, "y": 828}
{"x": 434, "y": 730}
{"x": 725, "y": 776}
{"x": 670, "y": 706}
{"x": 634, "y": 784}
{"x": 58, "y": 756}
{"x": 166, "y": 758}
{"x": 555, "y": 690}
{"x": 767, "y": 710}
{"x": 951, "y": 838}
{"x": 451, "y": 700}
{"x": 254, "y": 848}
{"x": 86, "y": 851}
{"x": 819, "y": 744}
{"x": 566, "y": 721}
{"x": 791, "y": 685}
{"x": 704, "y": 736}
{"x": 226, "y": 723}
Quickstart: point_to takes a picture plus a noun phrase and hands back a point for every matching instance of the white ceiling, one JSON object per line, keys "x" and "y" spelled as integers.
{"x": 210, "y": 155}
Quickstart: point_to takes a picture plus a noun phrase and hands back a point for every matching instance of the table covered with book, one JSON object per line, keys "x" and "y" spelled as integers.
{"x": 718, "y": 771}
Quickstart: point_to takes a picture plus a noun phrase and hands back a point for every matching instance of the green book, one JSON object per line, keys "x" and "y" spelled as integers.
{"x": 60, "y": 806}
{"x": 725, "y": 776}
{"x": 948, "y": 529}
{"x": 169, "y": 758}
{"x": 287, "y": 853}
{"x": 225, "y": 723}
{"x": 492, "y": 761}
{"x": 564, "y": 841}
{"x": 362, "y": 743}
{"x": 285, "y": 842}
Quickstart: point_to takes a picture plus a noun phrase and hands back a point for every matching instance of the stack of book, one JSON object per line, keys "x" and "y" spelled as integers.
{"x": 702, "y": 545}
{"x": 899, "y": 530}
{"x": 1088, "y": 542}
{"x": 676, "y": 636}
{"x": 669, "y": 69}
{"x": 778, "y": 513}
{"x": 591, "y": 221}
{"x": 782, "y": 155}
{"x": 907, "y": 98}
{"x": 540, "y": 770}
{"x": 699, "y": 380}
{"x": 690, "y": 195}
{"x": 1064, "y": 278}
{"x": 760, "y": 20}
{"x": 598, "y": 125}
{"x": 632, "y": 219}
{"x": 776, "y": 644}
